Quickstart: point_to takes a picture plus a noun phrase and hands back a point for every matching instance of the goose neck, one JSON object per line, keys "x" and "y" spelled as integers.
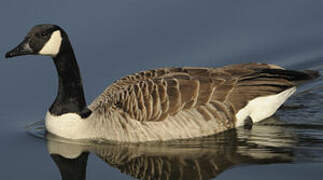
{"x": 70, "y": 96}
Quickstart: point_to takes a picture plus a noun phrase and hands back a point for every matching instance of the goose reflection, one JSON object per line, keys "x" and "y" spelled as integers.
{"x": 202, "y": 158}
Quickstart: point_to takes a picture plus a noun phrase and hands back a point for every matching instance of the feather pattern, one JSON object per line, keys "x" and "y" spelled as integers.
{"x": 176, "y": 103}
{"x": 156, "y": 94}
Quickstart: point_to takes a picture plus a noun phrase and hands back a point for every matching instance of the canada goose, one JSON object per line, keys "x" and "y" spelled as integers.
{"x": 161, "y": 104}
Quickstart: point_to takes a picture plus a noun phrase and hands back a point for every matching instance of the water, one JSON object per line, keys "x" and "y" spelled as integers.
{"x": 115, "y": 38}
{"x": 271, "y": 142}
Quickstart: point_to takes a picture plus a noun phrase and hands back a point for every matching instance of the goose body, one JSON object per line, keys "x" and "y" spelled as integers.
{"x": 161, "y": 104}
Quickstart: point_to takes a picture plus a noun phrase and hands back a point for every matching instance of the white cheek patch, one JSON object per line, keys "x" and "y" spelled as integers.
{"x": 52, "y": 46}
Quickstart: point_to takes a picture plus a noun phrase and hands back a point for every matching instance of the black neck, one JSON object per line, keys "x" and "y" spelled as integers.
{"x": 70, "y": 96}
{"x": 72, "y": 169}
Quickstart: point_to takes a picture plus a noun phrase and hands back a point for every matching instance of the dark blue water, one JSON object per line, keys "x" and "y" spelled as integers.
{"x": 115, "y": 38}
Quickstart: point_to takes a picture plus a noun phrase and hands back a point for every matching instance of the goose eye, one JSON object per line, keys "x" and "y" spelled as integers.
{"x": 43, "y": 34}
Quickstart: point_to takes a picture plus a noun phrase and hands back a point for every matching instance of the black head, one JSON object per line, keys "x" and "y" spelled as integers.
{"x": 43, "y": 39}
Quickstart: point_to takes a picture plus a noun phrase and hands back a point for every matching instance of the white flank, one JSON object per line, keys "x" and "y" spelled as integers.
{"x": 69, "y": 125}
{"x": 263, "y": 107}
{"x": 52, "y": 46}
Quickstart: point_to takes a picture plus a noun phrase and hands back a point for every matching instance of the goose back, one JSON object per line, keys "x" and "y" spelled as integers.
{"x": 187, "y": 102}
{"x": 154, "y": 95}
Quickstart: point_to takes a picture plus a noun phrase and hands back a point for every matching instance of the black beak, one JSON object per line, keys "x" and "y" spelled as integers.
{"x": 22, "y": 49}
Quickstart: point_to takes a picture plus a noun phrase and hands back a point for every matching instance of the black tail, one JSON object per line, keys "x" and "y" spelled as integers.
{"x": 294, "y": 76}
{"x": 312, "y": 74}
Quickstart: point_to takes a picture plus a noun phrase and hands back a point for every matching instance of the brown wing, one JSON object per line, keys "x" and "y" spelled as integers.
{"x": 156, "y": 94}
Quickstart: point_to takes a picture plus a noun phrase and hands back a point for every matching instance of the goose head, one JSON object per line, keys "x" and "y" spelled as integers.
{"x": 51, "y": 40}
{"x": 43, "y": 39}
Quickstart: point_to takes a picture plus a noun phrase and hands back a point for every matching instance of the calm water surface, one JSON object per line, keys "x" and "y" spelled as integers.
{"x": 117, "y": 37}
